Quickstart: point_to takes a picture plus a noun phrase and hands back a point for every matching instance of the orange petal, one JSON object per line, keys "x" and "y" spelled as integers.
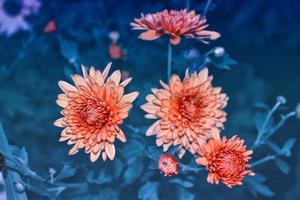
{"x": 201, "y": 161}
{"x": 59, "y": 122}
{"x": 66, "y": 87}
{"x": 94, "y": 156}
{"x": 110, "y": 150}
{"x": 130, "y": 97}
{"x": 149, "y": 35}
{"x": 175, "y": 40}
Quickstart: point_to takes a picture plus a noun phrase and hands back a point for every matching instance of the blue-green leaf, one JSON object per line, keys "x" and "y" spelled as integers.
{"x": 282, "y": 165}
{"x": 149, "y": 191}
{"x": 66, "y": 172}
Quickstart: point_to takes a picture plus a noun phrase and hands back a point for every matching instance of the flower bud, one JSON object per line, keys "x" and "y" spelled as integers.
{"x": 219, "y": 52}
{"x": 20, "y": 187}
{"x": 168, "y": 165}
{"x": 281, "y": 99}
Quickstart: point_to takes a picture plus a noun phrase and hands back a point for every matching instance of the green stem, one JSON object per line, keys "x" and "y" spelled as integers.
{"x": 284, "y": 118}
{"x": 169, "y": 61}
{"x": 262, "y": 130}
{"x": 11, "y": 177}
{"x": 263, "y": 160}
{"x": 208, "y": 2}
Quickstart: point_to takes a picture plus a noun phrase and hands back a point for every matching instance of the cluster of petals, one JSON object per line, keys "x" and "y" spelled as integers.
{"x": 188, "y": 112}
{"x": 226, "y": 160}
{"x": 168, "y": 165}
{"x": 176, "y": 24}
{"x": 93, "y": 109}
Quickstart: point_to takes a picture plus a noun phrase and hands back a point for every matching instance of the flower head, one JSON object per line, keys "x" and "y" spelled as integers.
{"x": 13, "y": 13}
{"x": 168, "y": 164}
{"x": 226, "y": 160}
{"x": 92, "y": 111}
{"x": 189, "y": 112}
{"x": 175, "y": 24}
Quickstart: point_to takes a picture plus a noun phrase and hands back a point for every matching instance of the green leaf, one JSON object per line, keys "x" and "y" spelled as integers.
{"x": 282, "y": 165}
{"x": 66, "y": 172}
{"x": 149, "y": 191}
{"x": 286, "y": 149}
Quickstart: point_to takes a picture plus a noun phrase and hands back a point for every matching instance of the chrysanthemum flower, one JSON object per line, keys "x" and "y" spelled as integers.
{"x": 13, "y": 13}
{"x": 189, "y": 112}
{"x": 175, "y": 24}
{"x": 168, "y": 165}
{"x": 92, "y": 111}
{"x": 226, "y": 160}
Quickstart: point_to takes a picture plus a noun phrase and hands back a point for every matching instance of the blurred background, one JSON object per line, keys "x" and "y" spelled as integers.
{"x": 43, "y": 42}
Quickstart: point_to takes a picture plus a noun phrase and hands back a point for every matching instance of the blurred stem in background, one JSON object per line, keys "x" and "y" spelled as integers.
{"x": 208, "y": 2}
{"x": 263, "y": 132}
{"x": 187, "y": 4}
{"x": 169, "y": 62}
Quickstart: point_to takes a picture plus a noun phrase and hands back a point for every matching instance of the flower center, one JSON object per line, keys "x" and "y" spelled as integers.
{"x": 231, "y": 163}
{"x": 96, "y": 113}
{"x": 12, "y": 7}
{"x": 188, "y": 107}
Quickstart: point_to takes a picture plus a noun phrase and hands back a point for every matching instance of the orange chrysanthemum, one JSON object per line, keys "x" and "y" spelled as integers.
{"x": 189, "y": 111}
{"x": 175, "y": 24}
{"x": 226, "y": 160}
{"x": 92, "y": 111}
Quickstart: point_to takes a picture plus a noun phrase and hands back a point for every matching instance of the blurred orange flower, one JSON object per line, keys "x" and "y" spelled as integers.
{"x": 115, "y": 51}
{"x": 50, "y": 27}
{"x": 226, "y": 160}
{"x": 175, "y": 24}
{"x": 92, "y": 111}
{"x": 189, "y": 112}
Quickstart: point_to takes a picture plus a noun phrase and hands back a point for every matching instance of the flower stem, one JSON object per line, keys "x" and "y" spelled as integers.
{"x": 263, "y": 160}
{"x": 262, "y": 130}
{"x": 284, "y": 118}
{"x": 208, "y": 2}
{"x": 187, "y": 4}
{"x": 169, "y": 61}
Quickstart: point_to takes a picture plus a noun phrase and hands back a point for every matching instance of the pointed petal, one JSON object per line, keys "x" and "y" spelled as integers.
{"x": 153, "y": 129}
{"x": 106, "y": 71}
{"x": 130, "y": 97}
{"x": 94, "y": 156}
{"x": 126, "y": 82}
{"x": 116, "y": 77}
{"x": 66, "y": 87}
{"x": 59, "y": 122}
{"x": 149, "y": 35}
{"x": 84, "y": 72}
{"x": 110, "y": 150}
{"x": 121, "y": 135}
